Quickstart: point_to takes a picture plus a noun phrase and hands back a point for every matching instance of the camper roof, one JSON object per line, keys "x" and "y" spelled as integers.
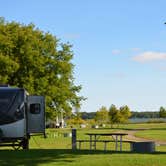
{"x": 12, "y": 89}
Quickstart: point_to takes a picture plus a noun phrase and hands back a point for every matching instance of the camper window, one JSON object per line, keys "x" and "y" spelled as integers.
{"x": 35, "y": 108}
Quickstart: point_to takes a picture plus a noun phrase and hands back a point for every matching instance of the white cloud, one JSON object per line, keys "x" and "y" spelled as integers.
{"x": 116, "y": 52}
{"x": 150, "y": 56}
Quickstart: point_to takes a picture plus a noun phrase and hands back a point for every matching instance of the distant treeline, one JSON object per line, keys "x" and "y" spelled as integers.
{"x": 145, "y": 115}
{"x": 88, "y": 115}
{"x": 91, "y": 115}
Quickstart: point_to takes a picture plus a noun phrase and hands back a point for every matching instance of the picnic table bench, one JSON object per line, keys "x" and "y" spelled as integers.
{"x": 104, "y": 141}
{"x": 95, "y": 137}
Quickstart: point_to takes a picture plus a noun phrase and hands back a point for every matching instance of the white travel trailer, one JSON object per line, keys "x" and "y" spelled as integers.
{"x": 21, "y": 115}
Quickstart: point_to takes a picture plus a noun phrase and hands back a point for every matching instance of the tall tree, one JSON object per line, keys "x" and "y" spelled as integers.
{"x": 102, "y": 115}
{"x": 114, "y": 115}
{"x": 162, "y": 112}
{"x": 125, "y": 113}
{"x": 38, "y": 62}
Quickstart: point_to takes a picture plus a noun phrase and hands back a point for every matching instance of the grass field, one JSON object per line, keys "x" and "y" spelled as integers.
{"x": 56, "y": 150}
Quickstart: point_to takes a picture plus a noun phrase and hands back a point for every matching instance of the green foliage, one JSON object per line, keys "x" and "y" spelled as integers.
{"x": 102, "y": 115}
{"x": 113, "y": 115}
{"x": 91, "y": 122}
{"x": 162, "y": 112}
{"x": 125, "y": 113}
{"x": 75, "y": 121}
{"x": 38, "y": 62}
{"x": 117, "y": 116}
{"x": 75, "y": 118}
{"x": 147, "y": 114}
{"x": 88, "y": 115}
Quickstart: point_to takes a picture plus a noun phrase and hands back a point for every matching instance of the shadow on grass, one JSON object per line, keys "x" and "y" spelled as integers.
{"x": 35, "y": 157}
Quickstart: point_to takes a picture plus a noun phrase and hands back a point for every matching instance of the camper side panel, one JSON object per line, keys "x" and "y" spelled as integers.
{"x": 12, "y": 112}
{"x": 36, "y": 114}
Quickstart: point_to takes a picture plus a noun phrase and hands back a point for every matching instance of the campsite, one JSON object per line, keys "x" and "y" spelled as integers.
{"x": 82, "y": 83}
{"x": 56, "y": 149}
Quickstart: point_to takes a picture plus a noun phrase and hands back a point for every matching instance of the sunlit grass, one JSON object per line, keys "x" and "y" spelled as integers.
{"x": 153, "y": 134}
{"x": 55, "y": 150}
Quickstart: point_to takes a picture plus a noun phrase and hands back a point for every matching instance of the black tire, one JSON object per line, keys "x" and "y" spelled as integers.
{"x": 25, "y": 144}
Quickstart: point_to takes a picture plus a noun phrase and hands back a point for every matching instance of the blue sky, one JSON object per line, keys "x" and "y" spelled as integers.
{"x": 119, "y": 46}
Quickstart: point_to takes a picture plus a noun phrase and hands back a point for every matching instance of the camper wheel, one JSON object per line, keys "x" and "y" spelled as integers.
{"x": 25, "y": 143}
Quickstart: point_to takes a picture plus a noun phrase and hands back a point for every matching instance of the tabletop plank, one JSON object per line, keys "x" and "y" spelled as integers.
{"x": 106, "y": 134}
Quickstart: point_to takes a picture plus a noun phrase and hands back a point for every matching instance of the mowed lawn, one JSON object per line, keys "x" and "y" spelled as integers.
{"x": 56, "y": 150}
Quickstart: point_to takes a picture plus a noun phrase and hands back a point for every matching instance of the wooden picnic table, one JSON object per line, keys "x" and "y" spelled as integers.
{"x": 95, "y": 137}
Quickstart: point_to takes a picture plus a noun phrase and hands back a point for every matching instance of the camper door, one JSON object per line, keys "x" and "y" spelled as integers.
{"x": 36, "y": 114}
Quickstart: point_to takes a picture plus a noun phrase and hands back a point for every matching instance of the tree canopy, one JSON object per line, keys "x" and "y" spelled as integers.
{"x": 102, "y": 115}
{"x": 162, "y": 112}
{"x": 125, "y": 113}
{"x": 38, "y": 62}
{"x": 120, "y": 115}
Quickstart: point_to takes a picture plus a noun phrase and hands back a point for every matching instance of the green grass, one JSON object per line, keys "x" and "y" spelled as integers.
{"x": 65, "y": 157}
{"x": 56, "y": 150}
{"x": 153, "y": 134}
{"x": 144, "y": 126}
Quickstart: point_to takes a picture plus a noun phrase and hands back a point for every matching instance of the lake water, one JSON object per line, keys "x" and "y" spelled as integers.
{"x": 139, "y": 120}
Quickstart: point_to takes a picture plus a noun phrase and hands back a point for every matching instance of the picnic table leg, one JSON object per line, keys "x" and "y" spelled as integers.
{"x": 74, "y": 139}
{"x": 90, "y": 142}
{"x": 116, "y": 142}
{"x": 120, "y": 142}
{"x": 105, "y": 146}
{"x": 80, "y": 145}
{"x": 95, "y": 143}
